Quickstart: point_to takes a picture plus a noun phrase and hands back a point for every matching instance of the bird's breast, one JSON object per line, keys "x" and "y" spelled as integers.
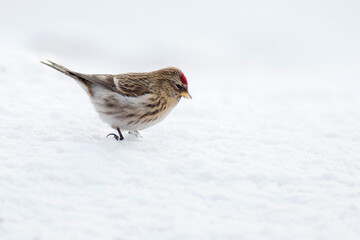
{"x": 131, "y": 113}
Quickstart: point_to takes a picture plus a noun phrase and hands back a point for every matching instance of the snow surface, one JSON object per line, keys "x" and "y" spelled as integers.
{"x": 268, "y": 148}
{"x": 253, "y": 156}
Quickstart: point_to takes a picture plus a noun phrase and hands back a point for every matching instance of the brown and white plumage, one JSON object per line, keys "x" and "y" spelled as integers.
{"x": 132, "y": 101}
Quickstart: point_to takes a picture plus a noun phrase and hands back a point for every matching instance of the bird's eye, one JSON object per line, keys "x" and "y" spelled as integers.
{"x": 178, "y": 86}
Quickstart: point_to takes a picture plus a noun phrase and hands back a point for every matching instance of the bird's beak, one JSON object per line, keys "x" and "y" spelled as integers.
{"x": 185, "y": 94}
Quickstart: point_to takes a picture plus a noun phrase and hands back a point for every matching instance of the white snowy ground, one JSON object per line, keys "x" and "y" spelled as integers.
{"x": 252, "y": 156}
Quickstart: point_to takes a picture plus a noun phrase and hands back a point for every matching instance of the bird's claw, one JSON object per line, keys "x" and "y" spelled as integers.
{"x": 136, "y": 134}
{"x": 117, "y": 138}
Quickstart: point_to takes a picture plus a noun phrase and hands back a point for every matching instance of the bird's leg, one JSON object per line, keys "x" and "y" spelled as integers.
{"x": 120, "y": 137}
{"x": 136, "y": 134}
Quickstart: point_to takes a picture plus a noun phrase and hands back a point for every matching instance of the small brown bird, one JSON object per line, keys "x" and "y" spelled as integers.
{"x": 131, "y": 101}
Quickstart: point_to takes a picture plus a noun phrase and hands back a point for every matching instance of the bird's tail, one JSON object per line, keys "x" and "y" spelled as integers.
{"x": 85, "y": 84}
{"x": 59, "y": 68}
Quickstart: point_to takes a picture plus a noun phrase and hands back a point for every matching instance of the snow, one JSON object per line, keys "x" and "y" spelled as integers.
{"x": 268, "y": 148}
{"x": 260, "y": 159}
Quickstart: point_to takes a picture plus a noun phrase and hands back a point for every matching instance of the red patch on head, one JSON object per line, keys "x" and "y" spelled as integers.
{"x": 183, "y": 79}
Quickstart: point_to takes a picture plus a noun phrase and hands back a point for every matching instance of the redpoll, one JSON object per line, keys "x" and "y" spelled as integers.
{"x": 131, "y": 101}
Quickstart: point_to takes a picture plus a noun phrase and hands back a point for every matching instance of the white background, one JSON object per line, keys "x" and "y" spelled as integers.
{"x": 268, "y": 148}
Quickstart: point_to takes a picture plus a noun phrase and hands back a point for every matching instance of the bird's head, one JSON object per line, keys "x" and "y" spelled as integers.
{"x": 176, "y": 82}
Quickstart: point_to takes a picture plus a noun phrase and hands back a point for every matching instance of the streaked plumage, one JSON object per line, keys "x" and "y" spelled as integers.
{"x": 132, "y": 101}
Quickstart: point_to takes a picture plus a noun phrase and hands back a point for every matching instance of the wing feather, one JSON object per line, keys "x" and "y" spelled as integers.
{"x": 129, "y": 85}
{"x": 132, "y": 85}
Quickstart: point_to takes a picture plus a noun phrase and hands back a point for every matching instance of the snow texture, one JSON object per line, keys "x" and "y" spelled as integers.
{"x": 267, "y": 149}
{"x": 274, "y": 157}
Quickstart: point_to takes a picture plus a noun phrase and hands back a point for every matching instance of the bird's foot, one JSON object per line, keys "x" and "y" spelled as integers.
{"x": 117, "y": 138}
{"x": 136, "y": 134}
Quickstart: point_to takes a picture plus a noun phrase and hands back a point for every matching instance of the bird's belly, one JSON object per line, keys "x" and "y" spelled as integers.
{"x": 119, "y": 120}
{"x": 131, "y": 113}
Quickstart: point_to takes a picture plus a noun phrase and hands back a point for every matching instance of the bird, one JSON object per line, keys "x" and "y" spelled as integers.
{"x": 131, "y": 101}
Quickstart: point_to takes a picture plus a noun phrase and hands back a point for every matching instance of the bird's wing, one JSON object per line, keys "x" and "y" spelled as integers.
{"x": 104, "y": 80}
{"x": 132, "y": 84}
{"x": 123, "y": 84}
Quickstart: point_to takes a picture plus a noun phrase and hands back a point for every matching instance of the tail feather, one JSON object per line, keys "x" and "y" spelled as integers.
{"x": 85, "y": 84}
{"x": 58, "y": 67}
